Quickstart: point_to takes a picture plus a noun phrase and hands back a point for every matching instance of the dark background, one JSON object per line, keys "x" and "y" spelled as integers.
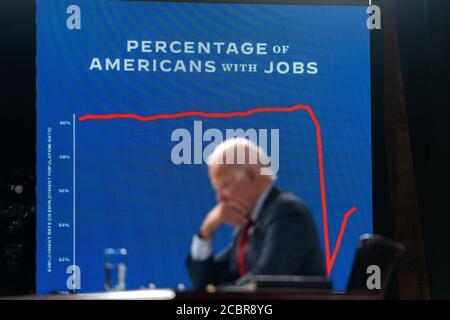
{"x": 423, "y": 36}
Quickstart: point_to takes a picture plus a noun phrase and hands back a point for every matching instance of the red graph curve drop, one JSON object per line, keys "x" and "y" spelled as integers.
{"x": 330, "y": 255}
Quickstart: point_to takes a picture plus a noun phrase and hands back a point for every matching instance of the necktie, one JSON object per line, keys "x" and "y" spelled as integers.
{"x": 242, "y": 249}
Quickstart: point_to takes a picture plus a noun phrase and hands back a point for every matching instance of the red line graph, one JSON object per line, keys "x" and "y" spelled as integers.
{"x": 330, "y": 255}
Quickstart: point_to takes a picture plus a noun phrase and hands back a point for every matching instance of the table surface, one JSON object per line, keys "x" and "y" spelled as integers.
{"x": 167, "y": 294}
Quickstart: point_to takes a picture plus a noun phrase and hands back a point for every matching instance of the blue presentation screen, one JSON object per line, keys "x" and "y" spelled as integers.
{"x": 133, "y": 96}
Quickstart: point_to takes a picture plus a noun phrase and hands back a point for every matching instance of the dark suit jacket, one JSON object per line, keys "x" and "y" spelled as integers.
{"x": 284, "y": 241}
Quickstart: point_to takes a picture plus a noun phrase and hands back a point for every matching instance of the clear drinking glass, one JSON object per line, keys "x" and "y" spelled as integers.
{"x": 115, "y": 269}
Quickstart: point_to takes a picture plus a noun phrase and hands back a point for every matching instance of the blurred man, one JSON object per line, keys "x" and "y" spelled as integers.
{"x": 275, "y": 233}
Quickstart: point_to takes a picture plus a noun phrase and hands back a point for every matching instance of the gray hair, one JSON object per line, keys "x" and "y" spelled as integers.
{"x": 241, "y": 151}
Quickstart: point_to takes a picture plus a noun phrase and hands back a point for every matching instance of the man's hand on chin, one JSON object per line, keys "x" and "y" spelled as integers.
{"x": 228, "y": 212}
{"x": 234, "y": 214}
